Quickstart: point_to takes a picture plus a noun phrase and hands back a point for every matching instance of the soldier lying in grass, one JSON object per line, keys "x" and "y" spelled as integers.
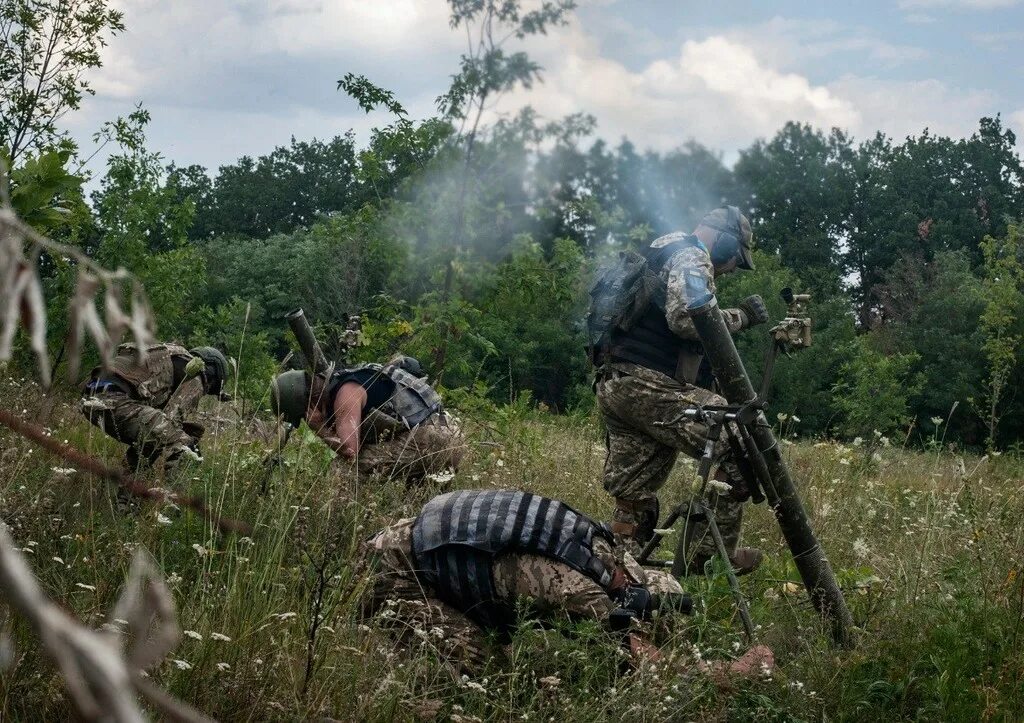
{"x": 147, "y": 404}
{"x": 385, "y": 418}
{"x": 460, "y": 568}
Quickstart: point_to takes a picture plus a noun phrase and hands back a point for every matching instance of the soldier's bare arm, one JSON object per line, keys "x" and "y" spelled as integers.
{"x": 348, "y": 415}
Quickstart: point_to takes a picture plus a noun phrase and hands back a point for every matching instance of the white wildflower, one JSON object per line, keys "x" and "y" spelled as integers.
{"x": 223, "y": 667}
{"x": 441, "y": 477}
{"x": 90, "y": 588}
{"x": 937, "y": 421}
{"x": 782, "y": 416}
{"x": 200, "y": 550}
{"x": 220, "y": 636}
{"x": 57, "y": 559}
{"x": 63, "y": 471}
{"x": 182, "y": 664}
{"x": 500, "y": 463}
{"x": 858, "y": 441}
{"x": 876, "y": 457}
{"x": 192, "y": 634}
{"x": 796, "y": 419}
{"x": 285, "y": 616}
{"x": 860, "y": 548}
{"x": 161, "y": 520}
{"x": 173, "y": 579}
{"x": 844, "y": 461}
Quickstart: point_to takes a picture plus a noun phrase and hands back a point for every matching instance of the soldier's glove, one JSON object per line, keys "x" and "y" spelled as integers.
{"x": 753, "y": 306}
{"x": 634, "y": 601}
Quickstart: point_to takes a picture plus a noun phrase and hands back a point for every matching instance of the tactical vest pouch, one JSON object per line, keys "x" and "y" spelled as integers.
{"x": 148, "y": 380}
{"x": 414, "y": 400}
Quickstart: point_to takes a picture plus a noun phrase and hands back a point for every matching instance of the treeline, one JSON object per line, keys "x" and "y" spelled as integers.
{"x": 471, "y": 246}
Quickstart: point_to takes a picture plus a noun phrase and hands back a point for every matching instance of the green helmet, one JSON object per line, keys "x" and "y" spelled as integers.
{"x": 216, "y": 362}
{"x": 289, "y": 395}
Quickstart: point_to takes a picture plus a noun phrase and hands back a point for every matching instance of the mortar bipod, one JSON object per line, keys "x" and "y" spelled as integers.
{"x": 717, "y": 420}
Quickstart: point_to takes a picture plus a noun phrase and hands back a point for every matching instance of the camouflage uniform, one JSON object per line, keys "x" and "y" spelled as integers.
{"x": 138, "y": 404}
{"x": 636, "y": 401}
{"x": 430, "y": 447}
{"x": 398, "y": 599}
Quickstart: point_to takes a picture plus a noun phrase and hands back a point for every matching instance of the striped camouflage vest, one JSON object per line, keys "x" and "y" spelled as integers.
{"x": 458, "y": 536}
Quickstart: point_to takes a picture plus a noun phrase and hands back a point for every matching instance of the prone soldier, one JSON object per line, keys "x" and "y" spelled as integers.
{"x": 458, "y": 571}
{"x": 387, "y": 418}
{"x": 147, "y": 402}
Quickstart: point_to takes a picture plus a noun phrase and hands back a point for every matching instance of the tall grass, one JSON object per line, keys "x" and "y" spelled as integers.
{"x": 927, "y": 546}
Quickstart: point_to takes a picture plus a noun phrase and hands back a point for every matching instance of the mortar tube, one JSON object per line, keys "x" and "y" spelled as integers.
{"x": 307, "y": 342}
{"x": 814, "y": 567}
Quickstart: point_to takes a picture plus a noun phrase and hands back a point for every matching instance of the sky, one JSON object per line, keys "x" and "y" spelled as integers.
{"x": 226, "y": 78}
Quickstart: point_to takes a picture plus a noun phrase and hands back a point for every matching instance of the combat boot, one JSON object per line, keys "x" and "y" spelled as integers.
{"x": 633, "y": 523}
{"x": 744, "y": 561}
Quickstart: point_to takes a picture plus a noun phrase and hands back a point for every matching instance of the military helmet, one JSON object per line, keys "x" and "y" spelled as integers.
{"x": 289, "y": 396}
{"x": 409, "y": 364}
{"x": 214, "y": 360}
{"x": 735, "y": 237}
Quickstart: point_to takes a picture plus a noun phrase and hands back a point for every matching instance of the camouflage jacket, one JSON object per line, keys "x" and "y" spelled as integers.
{"x": 689, "y": 274}
{"x": 152, "y": 380}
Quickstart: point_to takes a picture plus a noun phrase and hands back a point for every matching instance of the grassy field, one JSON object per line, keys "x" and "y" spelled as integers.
{"x": 928, "y": 546}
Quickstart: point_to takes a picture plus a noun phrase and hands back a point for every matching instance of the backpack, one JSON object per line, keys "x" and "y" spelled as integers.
{"x": 620, "y": 295}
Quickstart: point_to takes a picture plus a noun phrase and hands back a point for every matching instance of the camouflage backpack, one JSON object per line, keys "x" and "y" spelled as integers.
{"x": 619, "y": 296}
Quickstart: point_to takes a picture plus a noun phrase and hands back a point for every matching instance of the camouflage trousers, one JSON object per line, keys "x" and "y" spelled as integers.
{"x": 151, "y": 435}
{"x": 432, "y": 447}
{"x": 639, "y": 407}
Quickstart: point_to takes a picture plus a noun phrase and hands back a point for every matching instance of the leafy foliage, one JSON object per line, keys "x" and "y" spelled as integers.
{"x": 45, "y": 48}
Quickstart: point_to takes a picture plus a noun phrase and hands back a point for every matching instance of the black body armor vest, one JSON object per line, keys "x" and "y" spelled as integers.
{"x": 413, "y": 402}
{"x": 458, "y": 536}
{"x": 650, "y": 342}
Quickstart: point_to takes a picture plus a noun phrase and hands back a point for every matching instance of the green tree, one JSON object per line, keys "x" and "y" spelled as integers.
{"x": 799, "y": 184}
{"x": 874, "y": 389}
{"x": 934, "y": 310}
{"x": 1002, "y": 322}
{"x": 144, "y": 226}
{"x": 530, "y": 308}
{"x": 46, "y": 47}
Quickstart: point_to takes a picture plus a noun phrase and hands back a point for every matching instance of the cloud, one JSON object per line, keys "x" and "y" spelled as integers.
{"x": 724, "y": 91}
{"x": 958, "y": 4}
{"x": 1016, "y": 122}
{"x": 715, "y": 90}
{"x": 998, "y": 40}
{"x": 792, "y": 42}
{"x": 225, "y": 78}
{"x": 224, "y": 54}
{"x": 900, "y": 108}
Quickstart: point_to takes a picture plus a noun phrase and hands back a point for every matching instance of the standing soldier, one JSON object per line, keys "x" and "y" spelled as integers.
{"x": 146, "y": 403}
{"x": 648, "y": 359}
{"x": 385, "y": 418}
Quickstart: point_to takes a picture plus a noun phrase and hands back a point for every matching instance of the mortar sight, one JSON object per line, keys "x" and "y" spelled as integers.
{"x": 790, "y": 298}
